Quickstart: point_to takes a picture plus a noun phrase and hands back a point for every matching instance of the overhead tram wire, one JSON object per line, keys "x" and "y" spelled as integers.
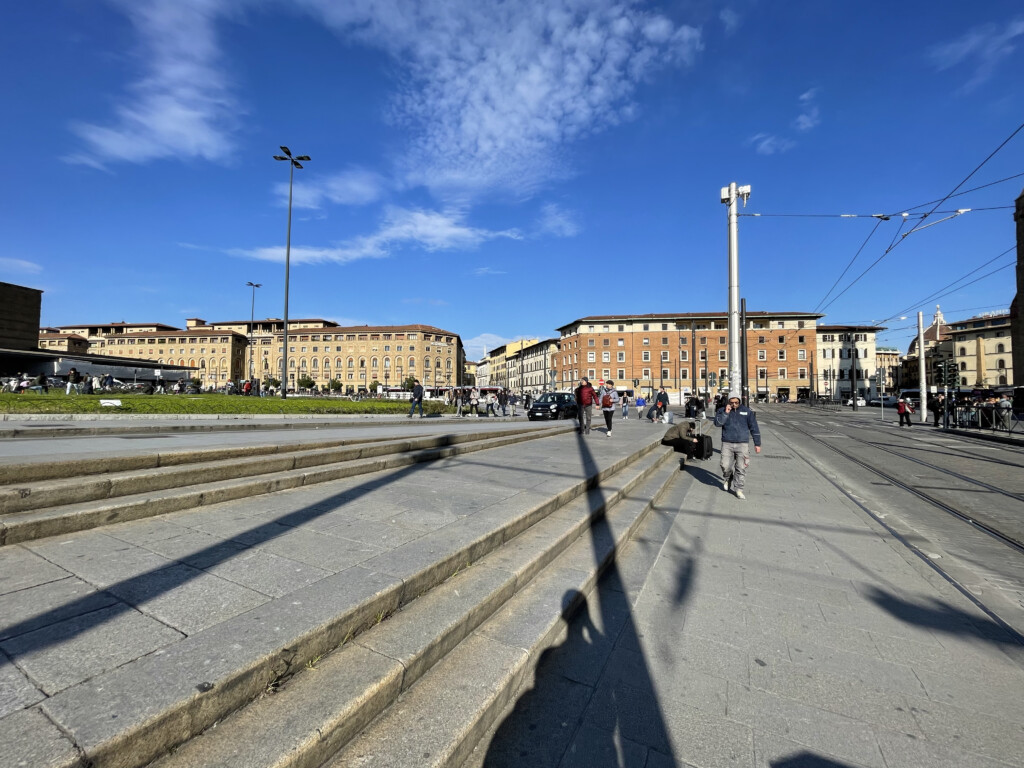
{"x": 935, "y": 294}
{"x": 878, "y": 223}
{"x": 968, "y": 191}
{"x": 921, "y": 217}
{"x": 880, "y": 216}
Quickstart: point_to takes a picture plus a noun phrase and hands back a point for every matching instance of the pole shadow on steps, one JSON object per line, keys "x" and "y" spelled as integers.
{"x": 593, "y": 702}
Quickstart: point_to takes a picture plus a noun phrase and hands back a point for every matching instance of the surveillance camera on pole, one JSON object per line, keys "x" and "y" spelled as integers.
{"x": 729, "y": 197}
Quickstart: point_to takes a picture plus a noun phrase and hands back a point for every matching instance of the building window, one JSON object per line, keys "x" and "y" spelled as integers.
{"x": 703, "y": 355}
{"x": 800, "y": 339}
{"x": 666, "y": 374}
{"x": 647, "y": 327}
{"x": 622, "y": 373}
{"x": 664, "y": 357}
{"x": 664, "y": 326}
{"x": 762, "y": 354}
{"x": 721, "y": 354}
{"x": 801, "y": 373}
{"x": 647, "y": 373}
{"x": 621, "y": 357}
{"x": 606, "y": 357}
{"x": 646, "y": 342}
{"x": 646, "y": 356}
{"x": 620, "y": 342}
{"x": 664, "y": 341}
{"x": 782, "y": 339}
{"x": 721, "y": 339}
{"x": 606, "y": 342}
{"x": 801, "y": 354}
{"x": 782, "y": 354}
{"x": 590, "y": 342}
{"x": 591, "y": 357}
{"x": 782, "y": 373}
{"x": 684, "y": 355}
{"x": 703, "y": 340}
{"x": 762, "y": 374}
{"x": 684, "y": 373}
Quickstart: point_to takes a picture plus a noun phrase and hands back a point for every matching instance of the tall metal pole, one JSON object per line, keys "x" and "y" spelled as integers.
{"x": 287, "y": 273}
{"x": 293, "y": 163}
{"x": 922, "y": 382}
{"x": 744, "y": 381}
{"x": 252, "y": 320}
{"x": 730, "y": 195}
{"x": 693, "y": 360}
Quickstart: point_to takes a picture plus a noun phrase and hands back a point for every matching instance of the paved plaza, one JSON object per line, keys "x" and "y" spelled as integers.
{"x": 789, "y": 629}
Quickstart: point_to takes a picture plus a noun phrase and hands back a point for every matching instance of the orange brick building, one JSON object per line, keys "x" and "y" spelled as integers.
{"x": 688, "y": 352}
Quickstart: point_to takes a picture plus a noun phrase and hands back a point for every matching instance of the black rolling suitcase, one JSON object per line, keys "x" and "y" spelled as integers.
{"x": 705, "y": 447}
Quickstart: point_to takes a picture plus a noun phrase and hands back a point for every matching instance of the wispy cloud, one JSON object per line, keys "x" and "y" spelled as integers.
{"x": 401, "y": 227}
{"x": 495, "y": 90}
{"x": 475, "y": 346}
{"x": 768, "y": 144}
{"x": 484, "y": 271}
{"x": 180, "y": 106}
{"x": 355, "y": 186}
{"x": 557, "y": 221}
{"x": 730, "y": 20}
{"x": 19, "y": 266}
{"x": 810, "y": 116}
{"x": 983, "y": 47}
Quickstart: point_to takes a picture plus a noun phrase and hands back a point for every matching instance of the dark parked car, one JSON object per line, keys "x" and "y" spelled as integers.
{"x": 553, "y": 405}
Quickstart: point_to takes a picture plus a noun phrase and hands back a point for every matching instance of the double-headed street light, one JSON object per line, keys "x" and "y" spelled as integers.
{"x": 293, "y": 163}
{"x": 252, "y": 319}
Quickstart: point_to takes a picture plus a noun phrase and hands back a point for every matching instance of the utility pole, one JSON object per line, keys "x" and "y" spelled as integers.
{"x": 922, "y": 380}
{"x": 744, "y": 381}
{"x": 729, "y": 196}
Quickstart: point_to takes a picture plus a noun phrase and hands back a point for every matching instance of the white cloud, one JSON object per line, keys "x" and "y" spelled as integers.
{"x": 495, "y": 90}
{"x": 19, "y": 266}
{"x": 431, "y": 302}
{"x": 401, "y": 227}
{"x": 730, "y": 20}
{"x": 558, "y": 222}
{"x": 768, "y": 144}
{"x": 355, "y": 186}
{"x": 984, "y": 47}
{"x": 180, "y": 106}
{"x": 810, "y": 116}
{"x": 475, "y": 346}
{"x": 484, "y": 271}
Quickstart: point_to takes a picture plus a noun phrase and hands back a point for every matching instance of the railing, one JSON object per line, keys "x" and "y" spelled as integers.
{"x": 990, "y": 418}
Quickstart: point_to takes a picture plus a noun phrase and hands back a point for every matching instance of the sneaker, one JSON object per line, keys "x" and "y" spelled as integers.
{"x": 609, "y": 433}
{"x": 739, "y": 494}
{"x": 726, "y": 483}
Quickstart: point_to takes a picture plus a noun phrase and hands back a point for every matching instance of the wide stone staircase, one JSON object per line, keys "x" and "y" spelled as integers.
{"x": 406, "y": 659}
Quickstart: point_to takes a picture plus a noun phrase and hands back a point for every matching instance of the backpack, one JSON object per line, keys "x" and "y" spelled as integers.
{"x": 606, "y": 401}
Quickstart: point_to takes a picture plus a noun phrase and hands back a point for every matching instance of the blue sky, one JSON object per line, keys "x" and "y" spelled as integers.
{"x": 501, "y": 168}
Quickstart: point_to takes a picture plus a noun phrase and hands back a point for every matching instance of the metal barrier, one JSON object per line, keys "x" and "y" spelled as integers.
{"x": 990, "y": 418}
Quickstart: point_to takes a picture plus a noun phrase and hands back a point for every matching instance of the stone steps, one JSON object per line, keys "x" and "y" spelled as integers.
{"x": 442, "y": 658}
{"x": 96, "y": 497}
{"x": 363, "y": 635}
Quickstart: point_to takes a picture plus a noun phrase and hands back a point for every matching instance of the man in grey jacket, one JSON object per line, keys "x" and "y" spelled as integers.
{"x": 739, "y": 424}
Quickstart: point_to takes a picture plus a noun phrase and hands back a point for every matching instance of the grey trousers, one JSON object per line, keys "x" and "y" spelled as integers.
{"x": 735, "y": 460}
{"x": 586, "y": 414}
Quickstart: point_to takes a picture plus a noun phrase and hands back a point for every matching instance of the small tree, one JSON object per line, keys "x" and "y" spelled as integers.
{"x": 305, "y": 382}
{"x": 409, "y": 382}
{"x": 334, "y": 385}
{"x": 374, "y": 385}
{"x": 270, "y": 381}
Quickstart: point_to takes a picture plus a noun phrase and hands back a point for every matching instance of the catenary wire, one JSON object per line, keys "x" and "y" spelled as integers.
{"x": 874, "y": 229}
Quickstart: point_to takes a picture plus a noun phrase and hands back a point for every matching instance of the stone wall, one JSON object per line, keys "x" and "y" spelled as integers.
{"x": 19, "y": 316}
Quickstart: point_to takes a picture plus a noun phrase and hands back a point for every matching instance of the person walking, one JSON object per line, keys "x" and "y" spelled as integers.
{"x": 904, "y": 409}
{"x": 608, "y": 397}
{"x": 662, "y": 402}
{"x": 641, "y": 403}
{"x": 625, "y": 406}
{"x": 739, "y": 425}
{"x": 474, "y": 402}
{"x": 503, "y": 402}
{"x": 585, "y": 398}
{"x": 417, "y": 398}
{"x": 73, "y": 382}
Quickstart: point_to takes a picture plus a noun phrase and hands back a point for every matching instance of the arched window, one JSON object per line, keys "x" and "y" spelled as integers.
{"x": 291, "y": 363}
{"x": 302, "y": 363}
{"x": 448, "y": 363}
{"x": 1002, "y": 381}
{"x": 373, "y": 363}
{"x": 327, "y": 363}
{"x": 191, "y": 363}
{"x": 963, "y": 382}
{"x": 316, "y": 363}
{"x": 337, "y": 362}
{"x": 963, "y": 366}
{"x": 963, "y": 351}
{"x": 1000, "y": 349}
{"x": 202, "y": 364}
{"x": 223, "y": 362}
{"x": 412, "y": 364}
{"x": 351, "y": 363}
{"x": 1000, "y": 363}
{"x": 387, "y": 363}
{"x": 362, "y": 362}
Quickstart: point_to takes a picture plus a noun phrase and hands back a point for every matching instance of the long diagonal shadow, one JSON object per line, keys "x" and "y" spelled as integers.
{"x": 165, "y": 578}
{"x": 546, "y": 726}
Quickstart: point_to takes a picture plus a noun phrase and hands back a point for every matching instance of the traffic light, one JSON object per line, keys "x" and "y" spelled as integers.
{"x": 712, "y": 379}
{"x": 951, "y": 374}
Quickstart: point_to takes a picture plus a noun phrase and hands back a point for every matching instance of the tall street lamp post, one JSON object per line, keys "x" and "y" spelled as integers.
{"x": 293, "y": 163}
{"x": 252, "y": 320}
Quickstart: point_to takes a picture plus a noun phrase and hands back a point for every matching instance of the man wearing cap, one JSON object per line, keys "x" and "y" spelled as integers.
{"x": 739, "y": 424}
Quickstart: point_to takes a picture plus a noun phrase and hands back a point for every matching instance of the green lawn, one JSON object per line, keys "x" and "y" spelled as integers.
{"x": 58, "y": 402}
